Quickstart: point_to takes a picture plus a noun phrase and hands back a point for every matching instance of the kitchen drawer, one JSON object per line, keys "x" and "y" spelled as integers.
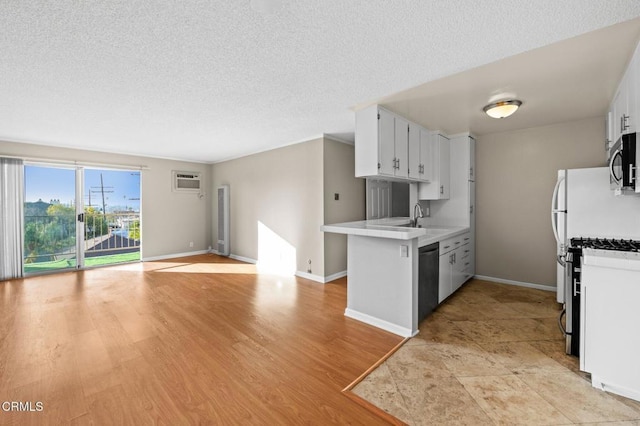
{"x": 454, "y": 242}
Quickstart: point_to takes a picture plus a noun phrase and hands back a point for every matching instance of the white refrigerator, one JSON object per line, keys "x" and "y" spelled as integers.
{"x": 583, "y": 205}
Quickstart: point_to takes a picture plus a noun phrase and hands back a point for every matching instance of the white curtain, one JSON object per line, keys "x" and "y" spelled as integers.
{"x": 11, "y": 218}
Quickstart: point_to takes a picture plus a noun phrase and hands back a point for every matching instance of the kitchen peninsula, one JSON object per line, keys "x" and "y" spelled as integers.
{"x": 383, "y": 269}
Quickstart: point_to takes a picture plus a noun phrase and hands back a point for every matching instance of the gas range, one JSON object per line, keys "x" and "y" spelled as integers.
{"x": 601, "y": 251}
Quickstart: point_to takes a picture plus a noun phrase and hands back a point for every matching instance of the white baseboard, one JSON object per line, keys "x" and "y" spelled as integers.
{"x": 174, "y": 255}
{"x": 320, "y": 278}
{"x": 377, "y": 322}
{"x": 312, "y": 277}
{"x": 518, "y": 283}
{"x": 243, "y": 259}
{"x": 234, "y": 257}
{"x": 335, "y": 276}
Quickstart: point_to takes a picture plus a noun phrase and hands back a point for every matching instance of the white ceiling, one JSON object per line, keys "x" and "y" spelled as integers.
{"x": 211, "y": 80}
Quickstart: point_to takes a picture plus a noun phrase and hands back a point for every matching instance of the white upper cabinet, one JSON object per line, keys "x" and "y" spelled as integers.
{"x": 415, "y": 161}
{"x": 388, "y": 146}
{"x": 427, "y": 154}
{"x": 438, "y": 187}
{"x": 401, "y": 148}
{"x": 386, "y": 143}
{"x": 623, "y": 111}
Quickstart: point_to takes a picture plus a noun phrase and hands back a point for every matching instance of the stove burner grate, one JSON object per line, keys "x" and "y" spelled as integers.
{"x": 606, "y": 244}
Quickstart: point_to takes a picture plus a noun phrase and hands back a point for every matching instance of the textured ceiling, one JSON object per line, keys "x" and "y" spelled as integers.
{"x": 210, "y": 80}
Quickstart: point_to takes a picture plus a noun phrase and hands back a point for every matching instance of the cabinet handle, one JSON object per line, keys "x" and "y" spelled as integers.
{"x": 446, "y": 247}
{"x": 457, "y": 242}
{"x": 467, "y": 238}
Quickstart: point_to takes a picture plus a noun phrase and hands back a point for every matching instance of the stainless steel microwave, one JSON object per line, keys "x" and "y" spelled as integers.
{"x": 624, "y": 158}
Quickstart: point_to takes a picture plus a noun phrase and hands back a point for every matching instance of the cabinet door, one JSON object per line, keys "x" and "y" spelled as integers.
{"x": 378, "y": 199}
{"x": 401, "y": 147}
{"x": 444, "y": 277}
{"x": 608, "y": 125}
{"x": 632, "y": 94}
{"x": 415, "y": 165}
{"x": 445, "y": 167}
{"x": 616, "y": 107}
{"x": 456, "y": 269}
{"x": 439, "y": 185}
{"x": 472, "y": 159}
{"x": 426, "y": 155}
{"x": 386, "y": 143}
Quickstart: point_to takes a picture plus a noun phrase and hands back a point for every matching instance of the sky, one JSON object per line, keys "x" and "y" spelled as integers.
{"x": 121, "y": 188}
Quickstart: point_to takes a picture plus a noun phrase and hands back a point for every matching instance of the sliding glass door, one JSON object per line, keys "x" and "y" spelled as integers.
{"x": 50, "y": 231}
{"x": 80, "y": 217}
{"x": 111, "y": 217}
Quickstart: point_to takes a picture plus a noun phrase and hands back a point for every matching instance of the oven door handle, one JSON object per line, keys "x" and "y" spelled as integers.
{"x": 611, "y": 171}
{"x": 564, "y": 331}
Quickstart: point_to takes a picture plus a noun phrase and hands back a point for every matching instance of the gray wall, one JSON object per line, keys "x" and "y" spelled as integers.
{"x": 169, "y": 220}
{"x": 339, "y": 172}
{"x": 281, "y": 189}
{"x": 516, "y": 173}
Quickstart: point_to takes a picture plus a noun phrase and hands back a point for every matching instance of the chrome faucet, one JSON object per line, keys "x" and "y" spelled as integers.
{"x": 414, "y": 220}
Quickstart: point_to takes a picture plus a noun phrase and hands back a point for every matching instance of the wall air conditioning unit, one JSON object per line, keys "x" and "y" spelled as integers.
{"x": 186, "y": 182}
{"x": 223, "y": 220}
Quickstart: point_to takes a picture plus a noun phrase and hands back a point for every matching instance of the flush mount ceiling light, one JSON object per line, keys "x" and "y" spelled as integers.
{"x": 502, "y": 109}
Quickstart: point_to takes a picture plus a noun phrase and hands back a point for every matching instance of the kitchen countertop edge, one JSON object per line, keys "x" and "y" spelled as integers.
{"x": 392, "y": 228}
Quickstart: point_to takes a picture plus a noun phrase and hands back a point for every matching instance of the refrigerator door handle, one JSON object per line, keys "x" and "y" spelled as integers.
{"x": 555, "y": 211}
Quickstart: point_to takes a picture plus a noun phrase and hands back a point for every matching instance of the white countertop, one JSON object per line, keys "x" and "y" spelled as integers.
{"x": 393, "y": 228}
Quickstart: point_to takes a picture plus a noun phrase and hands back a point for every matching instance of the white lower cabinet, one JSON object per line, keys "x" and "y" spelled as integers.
{"x": 444, "y": 277}
{"x": 455, "y": 264}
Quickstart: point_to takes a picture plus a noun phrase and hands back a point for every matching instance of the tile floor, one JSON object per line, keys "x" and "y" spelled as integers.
{"x": 492, "y": 354}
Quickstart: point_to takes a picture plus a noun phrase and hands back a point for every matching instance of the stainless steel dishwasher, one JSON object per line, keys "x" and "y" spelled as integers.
{"x": 428, "y": 258}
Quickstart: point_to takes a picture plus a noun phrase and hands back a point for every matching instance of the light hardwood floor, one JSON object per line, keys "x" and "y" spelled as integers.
{"x": 198, "y": 340}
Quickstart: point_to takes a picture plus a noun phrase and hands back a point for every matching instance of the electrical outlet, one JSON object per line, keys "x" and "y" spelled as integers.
{"x": 336, "y": 196}
{"x": 190, "y": 243}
